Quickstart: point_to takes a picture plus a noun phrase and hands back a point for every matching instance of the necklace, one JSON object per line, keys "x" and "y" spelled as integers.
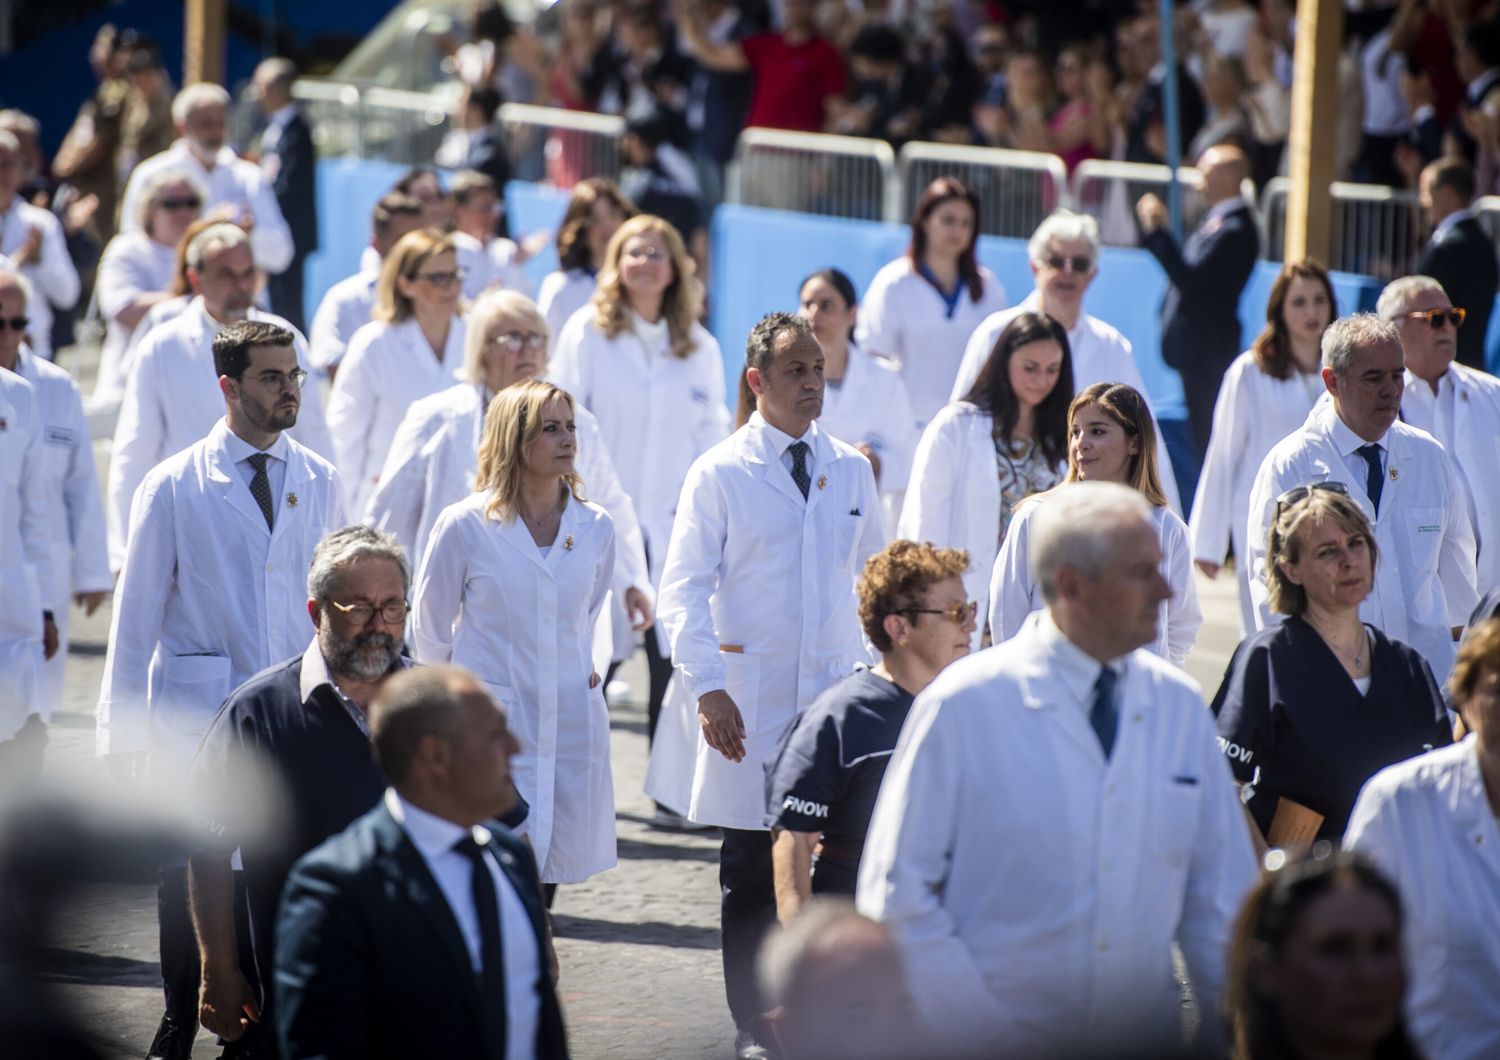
{"x": 1358, "y": 656}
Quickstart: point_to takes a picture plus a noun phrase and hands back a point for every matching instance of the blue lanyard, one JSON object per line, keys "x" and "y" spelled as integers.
{"x": 950, "y": 301}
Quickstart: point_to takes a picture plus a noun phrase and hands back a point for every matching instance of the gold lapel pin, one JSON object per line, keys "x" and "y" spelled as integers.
{"x": 568, "y": 543}
{"x": 822, "y": 482}
{"x": 291, "y": 500}
{"x": 1393, "y": 474}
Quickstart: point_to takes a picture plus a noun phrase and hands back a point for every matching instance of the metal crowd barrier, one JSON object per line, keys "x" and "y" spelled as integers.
{"x": 837, "y": 176}
{"x": 1377, "y": 230}
{"x": 1107, "y": 190}
{"x": 1016, "y": 189}
{"x": 561, "y": 147}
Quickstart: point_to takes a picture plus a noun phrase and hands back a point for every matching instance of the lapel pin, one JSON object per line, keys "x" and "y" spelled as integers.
{"x": 1393, "y": 474}
{"x": 291, "y": 500}
{"x": 822, "y": 482}
{"x": 568, "y": 543}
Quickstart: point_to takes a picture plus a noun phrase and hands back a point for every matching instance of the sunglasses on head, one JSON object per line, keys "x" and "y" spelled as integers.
{"x": 1297, "y": 493}
{"x": 1437, "y": 317}
{"x": 14, "y": 323}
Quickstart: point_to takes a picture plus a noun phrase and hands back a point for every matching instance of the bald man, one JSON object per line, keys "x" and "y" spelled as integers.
{"x": 1200, "y": 327}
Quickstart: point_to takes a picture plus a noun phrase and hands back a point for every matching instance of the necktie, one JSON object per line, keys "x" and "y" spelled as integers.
{"x": 260, "y": 487}
{"x": 799, "y": 451}
{"x": 1374, "y": 480}
{"x": 1102, "y": 714}
{"x": 492, "y": 974}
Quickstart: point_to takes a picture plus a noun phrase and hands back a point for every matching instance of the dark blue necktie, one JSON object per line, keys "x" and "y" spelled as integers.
{"x": 260, "y": 487}
{"x": 1102, "y": 714}
{"x": 799, "y": 451}
{"x": 1374, "y": 479}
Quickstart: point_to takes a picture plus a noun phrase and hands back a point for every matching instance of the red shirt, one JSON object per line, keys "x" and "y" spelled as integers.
{"x": 792, "y": 81}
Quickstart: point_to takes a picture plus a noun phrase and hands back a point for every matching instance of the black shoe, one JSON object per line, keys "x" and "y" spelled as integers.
{"x": 173, "y": 1041}
{"x": 748, "y": 1047}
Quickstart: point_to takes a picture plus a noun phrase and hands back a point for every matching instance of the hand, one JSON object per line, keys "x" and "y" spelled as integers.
{"x": 723, "y": 728}
{"x": 1417, "y": 88}
{"x": 226, "y": 1005}
{"x": 638, "y": 607}
{"x": 1151, "y": 212}
{"x": 50, "y": 639}
{"x": 90, "y": 601}
{"x": 872, "y": 456}
{"x": 80, "y": 213}
{"x": 1210, "y": 570}
{"x": 594, "y": 679}
{"x": 30, "y": 248}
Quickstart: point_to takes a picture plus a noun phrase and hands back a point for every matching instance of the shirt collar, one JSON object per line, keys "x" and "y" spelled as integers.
{"x": 779, "y": 439}
{"x": 282, "y": 117}
{"x": 432, "y": 835}
{"x": 1345, "y": 440}
{"x": 1418, "y": 386}
{"x": 1069, "y": 663}
{"x": 1223, "y": 209}
{"x": 1481, "y": 84}
{"x": 1032, "y": 303}
{"x": 241, "y": 450}
{"x": 1448, "y": 222}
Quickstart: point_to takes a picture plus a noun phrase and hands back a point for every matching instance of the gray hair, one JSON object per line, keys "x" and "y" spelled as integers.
{"x": 1063, "y": 226}
{"x": 9, "y": 141}
{"x": 164, "y": 178}
{"x": 1398, "y": 294}
{"x": 18, "y": 278}
{"x": 201, "y": 94}
{"x": 787, "y": 951}
{"x": 1076, "y": 527}
{"x": 221, "y": 236}
{"x": 18, "y": 121}
{"x": 340, "y": 548}
{"x": 1348, "y": 335}
{"x": 279, "y": 71}
{"x": 762, "y": 341}
{"x": 487, "y": 308}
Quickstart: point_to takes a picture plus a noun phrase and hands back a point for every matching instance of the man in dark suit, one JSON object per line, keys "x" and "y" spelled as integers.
{"x": 1460, "y": 255}
{"x": 289, "y": 162}
{"x": 419, "y": 930}
{"x": 1200, "y": 327}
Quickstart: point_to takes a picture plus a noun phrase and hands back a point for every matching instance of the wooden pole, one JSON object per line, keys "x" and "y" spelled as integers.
{"x": 1315, "y": 101}
{"x": 203, "y": 41}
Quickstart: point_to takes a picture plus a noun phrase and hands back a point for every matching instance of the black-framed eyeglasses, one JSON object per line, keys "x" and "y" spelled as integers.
{"x": 14, "y": 323}
{"x": 1078, "y": 263}
{"x": 516, "y": 341}
{"x": 1437, "y": 317}
{"x": 393, "y": 613}
{"x": 958, "y": 614}
{"x": 188, "y": 202}
{"x": 278, "y": 380}
{"x": 1297, "y": 493}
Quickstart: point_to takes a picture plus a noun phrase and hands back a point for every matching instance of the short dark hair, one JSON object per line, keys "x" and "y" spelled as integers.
{"x": 395, "y": 204}
{"x": 232, "y": 346}
{"x": 467, "y": 181}
{"x": 761, "y": 344}
{"x": 1455, "y": 174}
{"x": 410, "y": 705}
{"x": 488, "y": 101}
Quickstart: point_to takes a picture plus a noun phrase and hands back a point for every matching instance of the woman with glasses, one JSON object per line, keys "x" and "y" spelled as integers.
{"x": 595, "y": 212}
{"x": 513, "y": 578}
{"x": 1312, "y": 707}
{"x": 412, "y": 347}
{"x": 639, "y": 361}
{"x": 1266, "y": 394}
{"x": 982, "y": 456}
{"x": 1111, "y": 438}
{"x": 822, "y": 787}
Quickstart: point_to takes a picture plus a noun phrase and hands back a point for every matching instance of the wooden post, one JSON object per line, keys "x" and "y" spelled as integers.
{"x": 203, "y": 41}
{"x": 1315, "y": 102}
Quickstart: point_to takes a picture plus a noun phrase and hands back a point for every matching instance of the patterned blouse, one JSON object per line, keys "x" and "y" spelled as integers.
{"x": 1024, "y": 470}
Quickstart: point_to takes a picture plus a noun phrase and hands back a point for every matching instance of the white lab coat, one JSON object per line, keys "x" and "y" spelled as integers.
{"x": 489, "y": 265}
{"x": 233, "y": 182}
{"x": 1472, "y": 437}
{"x": 385, "y": 369}
{"x": 343, "y": 311}
{"x": 172, "y": 399}
{"x": 902, "y": 317}
{"x": 433, "y": 460}
{"x": 1424, "y": 582}
{"x": 953, "y": 498}
{"x": 1428, "y": 824}
{"x": 757, "y": 599}
{"x": 563, "y": 293}
{"x": 487, "y": 598}
{"x": 208, "y": 596}
{"x": 52, "y": 274}
{"x": 871, "y": 406}
{"x": 26, "y": 578}
{"x": 1100, "y": 355}
{"x": 1014, "y": 594}
{"x": 1252, "y": 413}
{"x": 133, "y": 264}
{"x": 1034, "y": 887}
{"x": 70, "y": 486}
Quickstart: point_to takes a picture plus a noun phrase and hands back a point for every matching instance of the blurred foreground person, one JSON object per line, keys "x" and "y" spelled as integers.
{"x": 1071, "y": 759}
{"x": 419, "y": 929}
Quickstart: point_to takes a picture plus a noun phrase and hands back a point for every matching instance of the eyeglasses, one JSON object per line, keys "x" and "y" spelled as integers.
{"x": 516, "y": 341}
{"x": 442, "y": 279}
{"x": 646, "y": 253}
{"x": 1079, "y": 263}
{"x": 1436, "y": 317}
{"x": 392, "y": 614}
{"x": 15, "y": 323}
{"x": 278, "y": 380}
{"x": 192, "y": 202}
{"x": 1297, "y": 493}
{"x": 958, "y": 614}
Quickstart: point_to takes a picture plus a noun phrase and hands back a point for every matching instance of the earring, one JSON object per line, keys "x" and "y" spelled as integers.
{"x": 902, "y": 642}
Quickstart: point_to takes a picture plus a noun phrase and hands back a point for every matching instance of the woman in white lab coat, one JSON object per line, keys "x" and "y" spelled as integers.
{"x": 1266, "y": 394}
{"x": 638, "y": 359}
{"x": 1111, "y": 438}
{"x": 513, "y": 578}
{"x": 412, "y": 347}
{"x": 980, "y": 457}
{"x": 920, "y": 309}
{"x": 595, "y": 212}
{"x": 864, "y": 398}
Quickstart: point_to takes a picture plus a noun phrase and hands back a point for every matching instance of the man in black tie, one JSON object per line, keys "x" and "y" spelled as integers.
{"x": 1460, "y": 255}
{"x": 289, "y": 161}
{"x": 419, "y": 929}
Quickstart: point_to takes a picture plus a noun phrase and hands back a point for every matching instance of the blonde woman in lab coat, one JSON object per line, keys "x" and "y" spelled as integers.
{"x": 512, "y": 581}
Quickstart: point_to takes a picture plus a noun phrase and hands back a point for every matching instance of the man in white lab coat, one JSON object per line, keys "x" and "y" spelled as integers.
{"x": 1456, "y": 404}
{"x": 32, "y": 238}
{"x": 211, "y": 593}
{"x": 172, "y": 394}
{"x": 1057, "y": 815}
{"x": 1399, "y": 476}
{"x": 757, "y": 602}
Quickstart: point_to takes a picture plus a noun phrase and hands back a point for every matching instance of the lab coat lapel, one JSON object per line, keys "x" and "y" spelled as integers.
{"x": 759, "y": 449}
{"x": 228, "y": 483}
{"x": 825, "y": 458}
{"x": 1471, "y": 813}
{"x": 567, "y": 533}
{"x": 516, "y": 537}
{"x": 293, "y": 489}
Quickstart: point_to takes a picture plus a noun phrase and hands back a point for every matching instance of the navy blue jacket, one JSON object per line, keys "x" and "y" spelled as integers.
{"x": 1200, "y": 325}
{"x": 296, "y": 183}
{"x": 1463, "y": 261}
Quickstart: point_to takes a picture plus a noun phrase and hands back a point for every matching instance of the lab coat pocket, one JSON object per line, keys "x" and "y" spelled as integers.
{"x": 192, "y": 689}
{"x": 1424, "y": 536}
{"x": 843, "y": 541}
{"x": 1178, "y": 804}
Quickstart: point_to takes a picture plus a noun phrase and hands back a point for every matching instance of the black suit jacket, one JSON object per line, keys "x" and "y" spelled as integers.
{"x": 370, "y": 962}
{"x": 1463, "y": 261}
{"x": 1200, "y": 312}
{"x": 295, "y": 184}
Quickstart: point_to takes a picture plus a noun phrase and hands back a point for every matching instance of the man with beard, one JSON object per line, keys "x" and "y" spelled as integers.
{"x": 302, "y": 726}
{"x": 211, "y": 593}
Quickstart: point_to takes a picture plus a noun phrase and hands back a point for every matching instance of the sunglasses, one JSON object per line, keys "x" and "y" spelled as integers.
{"x": 1079, "y": 264}
{"x": 515, "y": 341}
{"x": 190, "y": 203}
{"x": 1436, "y": 317}
{"x": 441, "y": 280}
{"x": 958, "y": 614}
{"x": 15, "y": 323}
{"x": 1297, "y": 493}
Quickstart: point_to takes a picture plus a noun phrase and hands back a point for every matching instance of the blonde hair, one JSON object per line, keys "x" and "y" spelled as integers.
{"x": 512, "y": 424}
{"x": 1125, "y": 406}
{"x": 1282, "y": 545}
{"x": 410, "y": 253}
{"x": 681, "y": 303}
{"x": 487, "y": 308}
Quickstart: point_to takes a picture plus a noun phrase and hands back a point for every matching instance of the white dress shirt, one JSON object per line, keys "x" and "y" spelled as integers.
{"x": 240, "y": 452}
{"x": 434, "y": 838}
{"x": 51, "y": 272}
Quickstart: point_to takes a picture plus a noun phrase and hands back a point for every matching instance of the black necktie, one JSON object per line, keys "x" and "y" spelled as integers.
{"x": 260, "y": 487}
{"x": 492, "y": 974}
{"x": 1374, "y": 480}
{"x": 1102, "y": 714}
{"x": 799, "y": 451}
